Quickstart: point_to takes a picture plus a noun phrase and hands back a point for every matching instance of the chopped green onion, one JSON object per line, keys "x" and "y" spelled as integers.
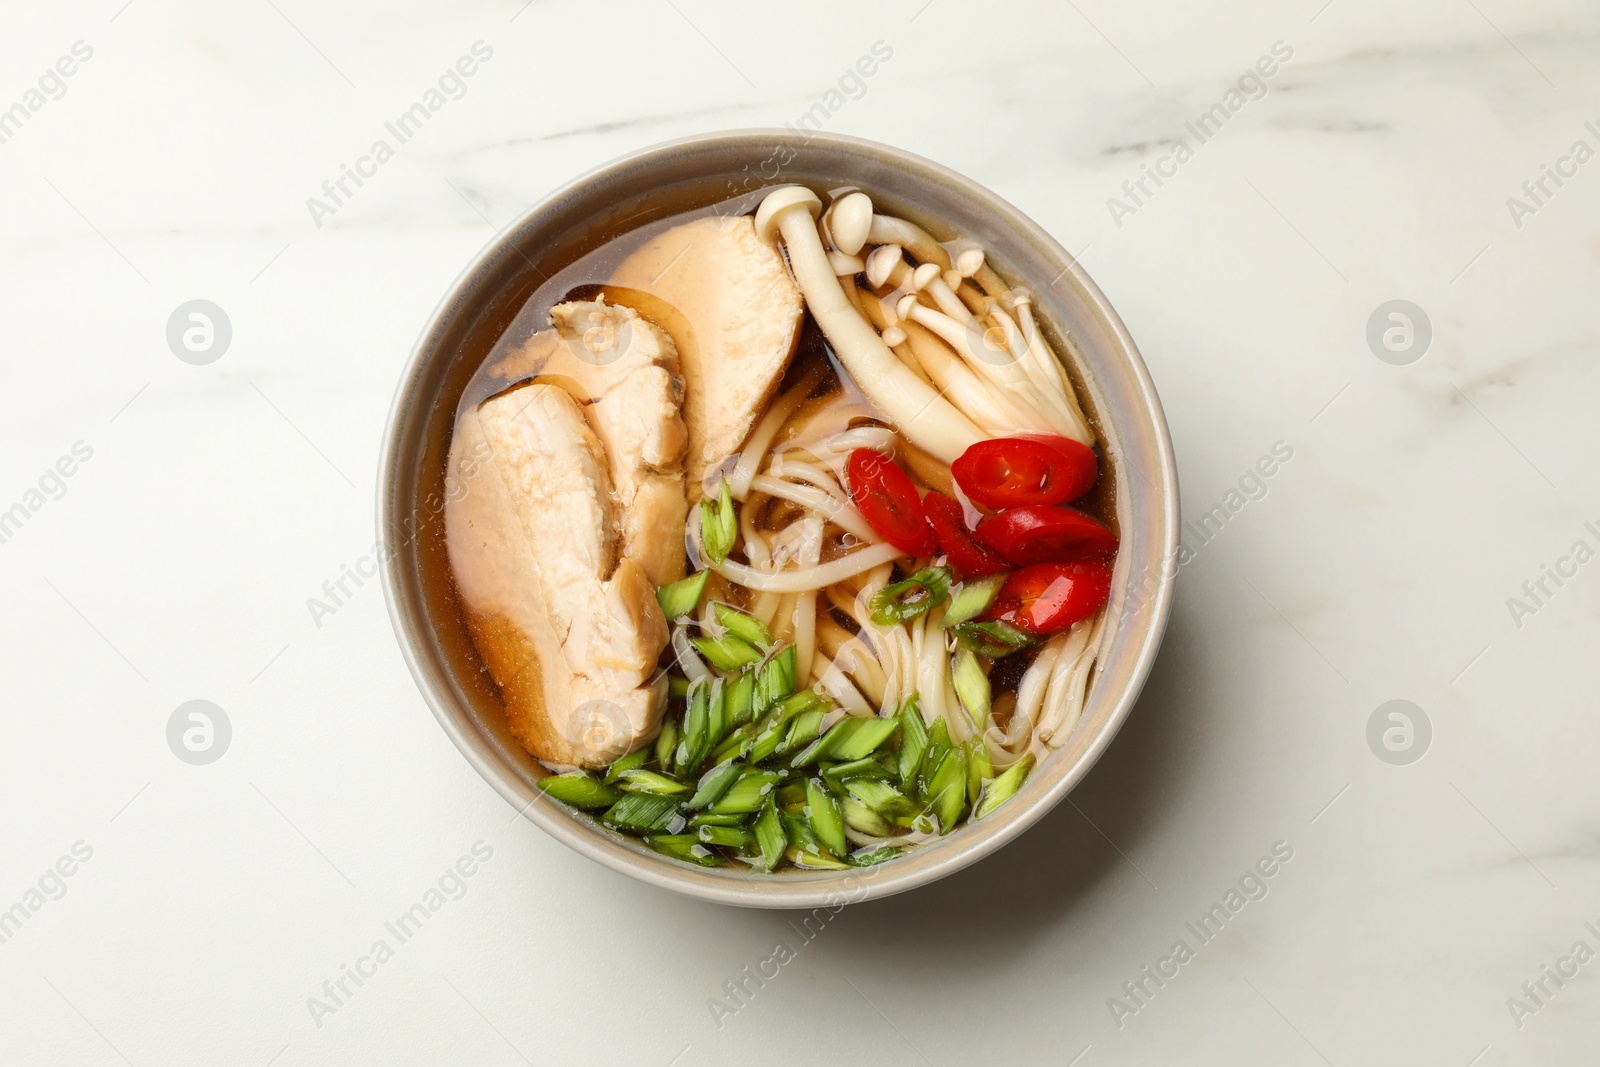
{"x": 741, "y": 625}
{"x": 632, "y": 761}
{"x": 864, "y": 738}
{"x": 913, "y": 741}
{"x": 666, "y": 741}
{"x": 769, "y": 739}
{"x": 912, "y": 598}
{"x": 1004, "y": 787}
{"x": 826, "y": 819}
{"x": 972, "y": 685}
{"x": 858, "y": 816}
{"x": 770, "y": 838}
{"x": 883, "y": 798}
{"x": 711, "y": 818}
{"x": 851, "y": 738}
{"x": 805, "y": 728}
{"x": 806, "y": 849}
{"x": 836, "y": 774}
{"x": 799, "y": 833}
{"x": 680, "y": 598}
{"x": 993, "y": 638}
{"x": 741, "y": 698}
{"x": 747, "y": 794}
{"x": 696, "y": 737}
{"x": 871, "y": 857}
{"x": 718, "y": 526}
{"x": 775, "y": 679}
{"x": 685, "y": 847}
{"x": 947, "y": 792}
{"x": 726, "y": 836}
{"x": 972, "y": 599}
{"x": 727, "y": 652}
{"x": 714, "y": 783}
{"x": 642, "y": 781}
{"x": 736, "y": 745}
{"x": 933, "y": 755}
{"x": 580, "y": 790}
{"x": 644, "y": 811}
{"x": 816, "y": 860}
{"x": 716, "y": 713}
{"x": 677, "y": 686}
{"x": 980, "y": 768}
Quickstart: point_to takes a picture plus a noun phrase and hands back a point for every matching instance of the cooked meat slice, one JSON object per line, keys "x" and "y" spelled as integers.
{"x": 568, "y": 627}
{"x": 626, "y": 371}
{"x": 730, "y": 306}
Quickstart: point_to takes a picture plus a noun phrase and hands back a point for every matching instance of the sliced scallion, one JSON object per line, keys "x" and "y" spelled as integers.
{"x": 972, "y": 685}
{"x": 803, "y": 730}
{"x": 643, "y": 781}
{"x": 679, "y": 598}
{"x": 714, "y": 783}
{"x": 741, "y": 698}
{"x": 718, "y": 525}
{"x": 872, "y": 857}
{"x": 632, "y": 761}
{"x": 726, "y": 836}
{"x": 836, "y": 774}
{"x": 685, "y": 847}
{"x": 727, "y": 652}
{"x": 580, "y": 790}
{"x": 770, "y": 838}
{"x": 741, "y": 625}
{"x": 859, "y": 817}
{"x": 947, "y": 791}
{"x": 882, "y": 798}
{"x": 993, "y": 638}
{"x": 934, "y": 753}
{"x": 644, "y": 811}
{"x": 912, "y": 598}
{"x": 913, "y": 741}
{"x": 1003, "y": 788}
{"x": 747, "y": 794}
{"x": 980, "y": 768}
{"x": 666, "y": 742}
{"x": 972, "y": 599}
{"x": 709, "y": 818}
{"x": 826, "y": 819}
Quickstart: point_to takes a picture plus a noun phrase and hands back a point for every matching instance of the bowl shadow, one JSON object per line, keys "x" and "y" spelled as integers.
{"x": 1040, "y": 879}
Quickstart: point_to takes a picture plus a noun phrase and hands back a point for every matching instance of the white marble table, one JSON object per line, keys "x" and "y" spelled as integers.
{"x": 1385, "y": 559}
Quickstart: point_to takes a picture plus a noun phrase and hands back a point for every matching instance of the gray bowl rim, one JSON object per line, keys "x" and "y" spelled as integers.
{"x": 791, "y": 889}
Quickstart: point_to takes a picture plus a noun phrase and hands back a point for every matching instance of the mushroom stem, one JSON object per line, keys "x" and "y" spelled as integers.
{"x": 888, "y": 230}
{"x": 913, "y": 405}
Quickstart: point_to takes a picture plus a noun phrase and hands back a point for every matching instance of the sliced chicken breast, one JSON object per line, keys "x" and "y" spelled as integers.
{"x": 627, "y": 372}
{"x": 565, "y": 510}
{"x": 727, "y": 301}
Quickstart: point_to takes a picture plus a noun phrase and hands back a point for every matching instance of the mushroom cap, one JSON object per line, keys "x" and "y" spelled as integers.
{"x": 969, "y": 262}
{"x": 849, "y": 219}
{"x": 880, "y": 261}
{"x": 777, "y": 202}
{"x": 924, "y": 276}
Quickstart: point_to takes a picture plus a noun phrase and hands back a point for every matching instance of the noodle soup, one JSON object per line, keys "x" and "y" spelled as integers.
{"x": 781, "y": 533}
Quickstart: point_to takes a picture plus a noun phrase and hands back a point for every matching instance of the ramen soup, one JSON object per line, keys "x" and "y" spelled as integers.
{"x": 762, "y": 520}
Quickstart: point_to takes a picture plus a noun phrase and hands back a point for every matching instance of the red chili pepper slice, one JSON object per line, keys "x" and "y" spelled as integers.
{"x": 1047, "y": 598}
{"x": 969, "y": 558}
{"x": 1028, "y": 469}
{"x": 887, "y": 499}
{"x": 1045, "y": 534}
